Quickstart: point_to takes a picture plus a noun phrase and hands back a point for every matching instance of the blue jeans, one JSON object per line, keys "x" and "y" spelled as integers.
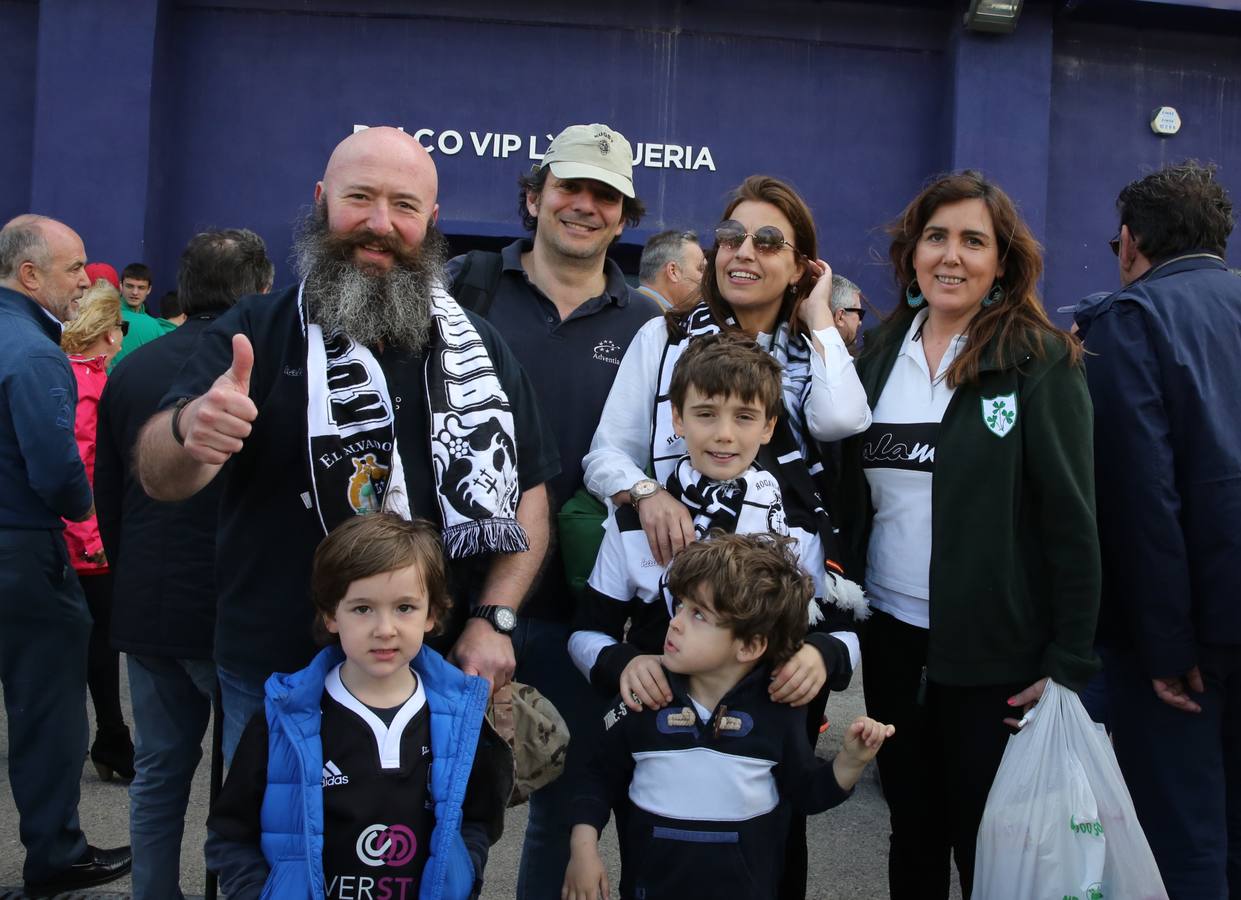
{"x": 172, "y": 706}
{"x": 240, "y": 699}
{"x": 543, "y": 661}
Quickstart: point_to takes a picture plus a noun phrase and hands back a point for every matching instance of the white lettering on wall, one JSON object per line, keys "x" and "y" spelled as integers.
{"x": 502, "y": 145}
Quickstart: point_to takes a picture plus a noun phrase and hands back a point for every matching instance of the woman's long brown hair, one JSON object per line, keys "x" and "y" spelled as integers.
{"x": 1012, "y": 327}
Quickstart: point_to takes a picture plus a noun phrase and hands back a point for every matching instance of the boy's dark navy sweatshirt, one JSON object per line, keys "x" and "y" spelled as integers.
{"x": 702, "y": 808}
{"x": 42, "y": 478}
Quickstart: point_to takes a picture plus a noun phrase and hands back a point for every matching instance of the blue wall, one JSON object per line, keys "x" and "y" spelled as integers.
{"x": 223, "y": 113}
{"x": 1107, "y": 81}
{"x": 19, "y": 23}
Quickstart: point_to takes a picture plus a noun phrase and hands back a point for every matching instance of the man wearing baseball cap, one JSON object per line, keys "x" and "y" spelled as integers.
{"x": 568, "y": 315}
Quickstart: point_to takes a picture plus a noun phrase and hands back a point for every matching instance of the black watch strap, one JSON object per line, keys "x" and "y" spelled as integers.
{"x": 502, "y": 618}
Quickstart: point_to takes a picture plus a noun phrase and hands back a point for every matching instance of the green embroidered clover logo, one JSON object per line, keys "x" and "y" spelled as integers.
{"x": 999, "y": 408}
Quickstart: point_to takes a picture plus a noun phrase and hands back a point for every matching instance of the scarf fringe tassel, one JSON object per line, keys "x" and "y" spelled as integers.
{"x": 847, "y": 595}
{"x": 484, "y": 536}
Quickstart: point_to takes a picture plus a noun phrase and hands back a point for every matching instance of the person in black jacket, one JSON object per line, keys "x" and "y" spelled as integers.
{"x": 163, "y": 557}
{"x": 969, "y": 510}
{"x": 1162, "y": 370}
{"x": 703, "y": 788}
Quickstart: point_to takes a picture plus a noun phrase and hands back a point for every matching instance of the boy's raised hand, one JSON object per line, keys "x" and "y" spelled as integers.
{"x": 586, "y": 878}
{"x": 863, "y": 739}
{"x": 643, "y": 684}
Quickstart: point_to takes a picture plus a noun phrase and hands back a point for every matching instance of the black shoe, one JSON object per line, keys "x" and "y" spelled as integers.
{"x": 113, "y": 755}
{"x": 97, "y": 867}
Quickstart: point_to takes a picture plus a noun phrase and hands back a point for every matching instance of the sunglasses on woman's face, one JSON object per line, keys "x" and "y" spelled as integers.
{"x": 124, "y": 326}
{"x": 731, "y": 234}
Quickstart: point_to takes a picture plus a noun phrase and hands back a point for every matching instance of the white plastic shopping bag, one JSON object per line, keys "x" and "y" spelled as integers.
{"x": 1059, "y": 823}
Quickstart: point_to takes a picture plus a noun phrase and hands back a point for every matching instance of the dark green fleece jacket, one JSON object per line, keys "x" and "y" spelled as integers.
{"x": 1015, "y": 571}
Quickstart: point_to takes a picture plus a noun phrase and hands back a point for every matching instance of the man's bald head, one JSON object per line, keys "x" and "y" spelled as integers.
{"x": 383, "y": 146}
{"x": 45, "y": 260}
{"x": 380, "y": 187}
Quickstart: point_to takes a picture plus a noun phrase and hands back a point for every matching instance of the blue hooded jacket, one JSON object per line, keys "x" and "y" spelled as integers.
{"x": 292, "y": 811}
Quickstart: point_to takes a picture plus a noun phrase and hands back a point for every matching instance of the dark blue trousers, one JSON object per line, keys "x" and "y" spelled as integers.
{"x": 44, "y": 631}
{"x": 1184, "y": 771}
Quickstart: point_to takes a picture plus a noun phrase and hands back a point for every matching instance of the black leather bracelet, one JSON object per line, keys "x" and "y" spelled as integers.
{"x": 176, "y": 419}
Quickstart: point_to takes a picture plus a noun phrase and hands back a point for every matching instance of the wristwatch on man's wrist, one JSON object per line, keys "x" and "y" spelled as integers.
{"x": 502, "y": 619}
{"x": 647, "y": 487}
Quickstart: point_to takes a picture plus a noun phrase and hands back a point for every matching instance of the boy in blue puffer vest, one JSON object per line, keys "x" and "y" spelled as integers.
{"x": 371, "y": 772}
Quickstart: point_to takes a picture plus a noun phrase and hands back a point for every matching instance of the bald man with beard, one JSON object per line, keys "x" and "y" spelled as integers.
{"x": 362, "y": 387}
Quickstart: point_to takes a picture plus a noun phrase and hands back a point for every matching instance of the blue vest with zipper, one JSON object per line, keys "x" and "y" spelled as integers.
{"x": 292, "y": 811}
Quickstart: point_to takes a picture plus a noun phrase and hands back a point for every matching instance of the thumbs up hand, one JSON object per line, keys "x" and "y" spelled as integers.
{"x": 216, "y": 424}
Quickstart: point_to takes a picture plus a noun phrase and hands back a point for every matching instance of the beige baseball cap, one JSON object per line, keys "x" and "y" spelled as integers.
{"x": 592, "y": 151}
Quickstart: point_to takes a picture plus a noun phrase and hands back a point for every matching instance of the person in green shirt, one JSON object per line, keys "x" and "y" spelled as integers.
{"x": 143, "y": 327}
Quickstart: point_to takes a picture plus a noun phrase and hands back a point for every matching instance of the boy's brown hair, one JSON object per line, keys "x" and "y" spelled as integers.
{"x": 758, "y": 588}
{"x": 371, "y": 545}
{"x": 723, "y": 365}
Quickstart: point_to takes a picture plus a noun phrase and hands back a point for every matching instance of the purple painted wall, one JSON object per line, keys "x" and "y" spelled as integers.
{"x": 223, "y": 113}
{"x": 19, "y": 23}
{"x": 1106, "y": 83}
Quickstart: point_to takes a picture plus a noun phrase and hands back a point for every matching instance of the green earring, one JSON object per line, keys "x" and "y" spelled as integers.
{"x": 995, "y": 295}
{"x": 913, "y": 295}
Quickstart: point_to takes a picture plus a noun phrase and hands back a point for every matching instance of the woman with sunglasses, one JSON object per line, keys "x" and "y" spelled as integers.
{"x": 762, "y": 278}
{"x": 92, "y": 341}
{"x": 981, "y": 595}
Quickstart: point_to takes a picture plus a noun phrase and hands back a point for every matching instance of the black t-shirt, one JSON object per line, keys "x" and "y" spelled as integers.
{"x": 268, "y": 528}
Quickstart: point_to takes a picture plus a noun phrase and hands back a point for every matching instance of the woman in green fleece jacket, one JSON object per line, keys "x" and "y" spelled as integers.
{"x": 970, "y": 505}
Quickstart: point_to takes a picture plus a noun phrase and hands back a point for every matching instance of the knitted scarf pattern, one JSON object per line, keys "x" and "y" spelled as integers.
{"x": 355, "y": 464}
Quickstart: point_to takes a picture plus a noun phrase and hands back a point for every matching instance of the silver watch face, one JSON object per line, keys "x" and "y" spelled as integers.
{"x": 643, "y": 489}
{"x": 506, "y": 619}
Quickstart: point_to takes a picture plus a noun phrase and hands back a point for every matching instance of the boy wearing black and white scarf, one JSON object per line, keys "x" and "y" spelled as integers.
{"x": 721, "y": 377}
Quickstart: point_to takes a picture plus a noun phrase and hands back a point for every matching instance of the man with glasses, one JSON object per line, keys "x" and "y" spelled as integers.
{"x": 1166, "y": 387}
{"x": 847, "y": 309}
{"x": 671, "y": 268}
{"x": 568, "y": 315}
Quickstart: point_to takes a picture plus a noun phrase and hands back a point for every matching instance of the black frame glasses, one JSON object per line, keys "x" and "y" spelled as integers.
{"x": 124, "y": 326}
{"x": 861, "y": 313}
{"x": 1114, "y": 243}
{"x": 731, "y": 234}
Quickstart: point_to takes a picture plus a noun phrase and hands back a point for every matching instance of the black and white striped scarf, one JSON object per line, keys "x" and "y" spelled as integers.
{"x": 355, "y": 466}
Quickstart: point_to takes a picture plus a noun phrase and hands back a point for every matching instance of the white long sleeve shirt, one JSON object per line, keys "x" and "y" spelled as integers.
{"x": 836, "y": 406}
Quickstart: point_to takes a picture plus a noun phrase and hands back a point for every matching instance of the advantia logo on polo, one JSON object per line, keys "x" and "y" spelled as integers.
{"x": 999, "y": 414}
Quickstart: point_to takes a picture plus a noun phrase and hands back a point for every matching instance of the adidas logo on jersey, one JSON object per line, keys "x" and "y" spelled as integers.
{"x": 332, "y": 775}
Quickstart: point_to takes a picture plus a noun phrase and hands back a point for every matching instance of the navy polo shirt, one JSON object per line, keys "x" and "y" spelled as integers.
{"x": 571, "y": 364}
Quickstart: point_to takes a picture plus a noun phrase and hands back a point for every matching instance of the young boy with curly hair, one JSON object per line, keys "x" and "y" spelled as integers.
{"x": 704, "y": 788}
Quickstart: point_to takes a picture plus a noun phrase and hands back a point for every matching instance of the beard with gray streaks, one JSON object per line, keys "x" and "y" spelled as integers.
{"x": 391, "y": 307}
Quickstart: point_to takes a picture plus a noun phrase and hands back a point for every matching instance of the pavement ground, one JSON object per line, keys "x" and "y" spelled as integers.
{"x": 848, "y": 844}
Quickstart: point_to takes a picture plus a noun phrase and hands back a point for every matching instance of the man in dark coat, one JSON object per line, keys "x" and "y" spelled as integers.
{"x": 1166, "y": 386}
{"x": 44, "y": 620}
{"x": 163, "y": 558}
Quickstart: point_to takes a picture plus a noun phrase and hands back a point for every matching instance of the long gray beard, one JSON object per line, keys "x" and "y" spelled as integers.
{"x": 393, "y": 307}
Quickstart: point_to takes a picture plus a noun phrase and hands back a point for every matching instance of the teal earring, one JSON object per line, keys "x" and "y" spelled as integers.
{"x": 913, "y": 295}
{"x": 995, "y": 295}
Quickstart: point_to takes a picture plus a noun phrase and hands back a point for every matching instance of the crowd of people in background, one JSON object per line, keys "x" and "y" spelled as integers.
{"x": 350, "y": 511}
